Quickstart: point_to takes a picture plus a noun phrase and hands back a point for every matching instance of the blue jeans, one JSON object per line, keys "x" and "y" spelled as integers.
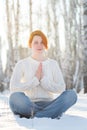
{"x": 21, "y": 104}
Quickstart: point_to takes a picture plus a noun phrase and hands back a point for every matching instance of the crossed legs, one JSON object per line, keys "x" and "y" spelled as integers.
{"x": 22, "y": 105}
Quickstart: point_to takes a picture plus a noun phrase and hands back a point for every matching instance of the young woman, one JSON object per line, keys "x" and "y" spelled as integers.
{"x": 34, "y": 82}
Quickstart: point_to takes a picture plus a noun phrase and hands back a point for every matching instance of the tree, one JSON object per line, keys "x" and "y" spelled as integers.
{"x": 85, "y": 45}
{"x": 16, "y": 13}
{"x": 10, "y": 55}
{"x": 1, "y": 71}
{"x": 30, "y": 15}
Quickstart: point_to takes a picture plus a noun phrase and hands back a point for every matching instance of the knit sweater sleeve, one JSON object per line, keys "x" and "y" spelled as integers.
{"x": 56, "y": 84}
{"x": 16, "y": 84}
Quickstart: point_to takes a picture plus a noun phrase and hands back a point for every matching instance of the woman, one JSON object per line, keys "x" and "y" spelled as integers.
{"x": 34, "y": 82}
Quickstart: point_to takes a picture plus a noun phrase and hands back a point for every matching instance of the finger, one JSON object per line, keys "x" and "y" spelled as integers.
{"x": 41, "y": 66}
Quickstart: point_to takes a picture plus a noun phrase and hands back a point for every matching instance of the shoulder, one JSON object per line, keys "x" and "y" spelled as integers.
{"x": 54, "y": 64}
{"x": 22, "y": 61}
{"x": 52, "y": 61}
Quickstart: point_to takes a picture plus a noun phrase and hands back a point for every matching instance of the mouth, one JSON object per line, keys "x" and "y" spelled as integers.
{"x": 39, "y": 49}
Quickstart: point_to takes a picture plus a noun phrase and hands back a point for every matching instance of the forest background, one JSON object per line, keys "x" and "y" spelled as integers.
{"x": 65, "y": 24}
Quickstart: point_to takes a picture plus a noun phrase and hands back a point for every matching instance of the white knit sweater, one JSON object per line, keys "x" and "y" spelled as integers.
{"x": 24, "y": 80}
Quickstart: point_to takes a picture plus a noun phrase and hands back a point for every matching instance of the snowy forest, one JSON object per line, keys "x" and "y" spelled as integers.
{"x": 63, "y": 21}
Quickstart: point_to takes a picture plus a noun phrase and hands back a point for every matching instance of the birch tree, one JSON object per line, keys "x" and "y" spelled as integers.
{"x": 1, "y": 71}
{"x": 85, "y": 45}
{"x": 30, "y": 15}
{"x": 16, "y": 13}
{"x": 54, "y": 51}
{"x": 78, "y": 75}
{"x": 68, "y": 54}
{"x": 10, "y": 55}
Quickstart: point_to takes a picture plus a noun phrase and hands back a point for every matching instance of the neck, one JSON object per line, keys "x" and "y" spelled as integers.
{"x": 38, "y": 57}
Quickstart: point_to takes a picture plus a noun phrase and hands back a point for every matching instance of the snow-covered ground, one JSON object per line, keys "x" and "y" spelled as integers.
{"x": 74, "y": 119}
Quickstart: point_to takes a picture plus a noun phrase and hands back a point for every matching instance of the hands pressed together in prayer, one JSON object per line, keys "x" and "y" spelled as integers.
{"x": 39, "y": 73}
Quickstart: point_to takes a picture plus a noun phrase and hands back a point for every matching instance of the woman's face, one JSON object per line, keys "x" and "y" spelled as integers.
{"x": 37, "y": 44}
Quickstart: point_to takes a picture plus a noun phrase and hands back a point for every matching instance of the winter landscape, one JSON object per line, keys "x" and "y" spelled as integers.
{"x": 65, "y": 24}
{"x": 74, "y": 119}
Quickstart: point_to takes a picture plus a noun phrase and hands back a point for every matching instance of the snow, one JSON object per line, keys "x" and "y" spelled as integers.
{"x": 74, "y": 119}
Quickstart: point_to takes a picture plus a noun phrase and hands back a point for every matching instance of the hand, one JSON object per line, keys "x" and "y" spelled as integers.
{"x": 39, "y": 72}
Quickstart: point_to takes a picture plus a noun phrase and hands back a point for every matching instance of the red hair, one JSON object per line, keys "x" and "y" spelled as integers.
{"x": 41, "y": 34}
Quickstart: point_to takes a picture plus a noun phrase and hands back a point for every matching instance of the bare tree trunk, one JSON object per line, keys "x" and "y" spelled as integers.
{"x": 10, "y": 55}
{"x": 16, "y": 12}
{"x": 52, "y": 28}
{"x": 68, "y": 54}
{"x": 56, "y": 36}
{"x": 79, "y": 49}
{"x": 85, "y": 46}
{"x": 30, "y": 15}
{"x": 1, "y": 71}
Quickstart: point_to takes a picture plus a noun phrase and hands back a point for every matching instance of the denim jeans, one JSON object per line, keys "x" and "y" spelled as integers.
{"x": 21, "y": 104}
